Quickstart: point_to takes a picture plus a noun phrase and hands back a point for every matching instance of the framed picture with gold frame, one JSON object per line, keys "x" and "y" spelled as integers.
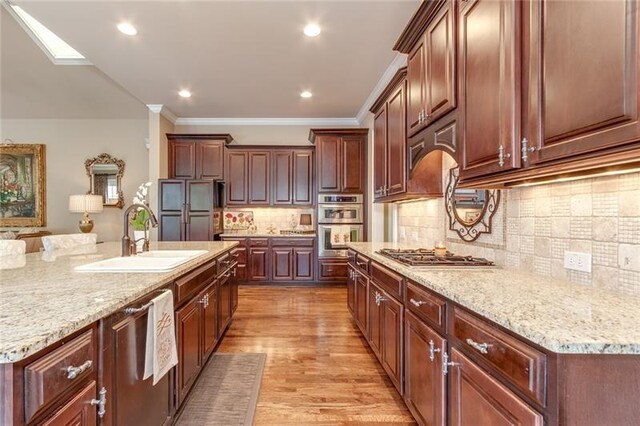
{"x": 22, "y": 185}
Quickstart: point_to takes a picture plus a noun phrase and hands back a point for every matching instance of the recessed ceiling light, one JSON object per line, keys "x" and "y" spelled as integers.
{"x": 312, "y": 30}
{"x": 184, "y": 93}
{"x": 306, "y": 94}
{"x": 127, "y": 28}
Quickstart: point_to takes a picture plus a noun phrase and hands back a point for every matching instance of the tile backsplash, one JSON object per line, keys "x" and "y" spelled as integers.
{"x": 279, "y": 218}
{"x": 534, "y": 226}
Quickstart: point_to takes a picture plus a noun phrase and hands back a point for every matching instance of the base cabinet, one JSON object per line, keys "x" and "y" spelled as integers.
{"x": 362, "y": 297}
{"x": 188, "y": 328}
{"x": 477, "y": 398}
{"x": 78, "y": 411}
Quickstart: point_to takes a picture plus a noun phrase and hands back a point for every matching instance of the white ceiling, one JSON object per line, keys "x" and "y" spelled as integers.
{"x": 239, "y": 58}
{"x": 33, "y": 87}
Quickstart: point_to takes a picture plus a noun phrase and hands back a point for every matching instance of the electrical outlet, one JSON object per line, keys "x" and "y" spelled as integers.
{"x": 577, "y": 261}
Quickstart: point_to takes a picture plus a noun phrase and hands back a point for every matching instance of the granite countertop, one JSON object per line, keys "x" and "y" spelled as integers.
{"x": 260, "y": 234}
{"x": 557, "y": 315}
{"x": 42, "y": 298}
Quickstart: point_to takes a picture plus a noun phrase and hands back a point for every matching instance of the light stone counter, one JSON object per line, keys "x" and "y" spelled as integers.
{"x": 42, "y": 298}
{"x": 557, "y": 315}
{"x": 264, "y": 235}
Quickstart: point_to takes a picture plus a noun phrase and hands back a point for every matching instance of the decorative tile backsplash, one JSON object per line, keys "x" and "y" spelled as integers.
{"x": 535, "y": 225}
{"x": 264, "y": 217}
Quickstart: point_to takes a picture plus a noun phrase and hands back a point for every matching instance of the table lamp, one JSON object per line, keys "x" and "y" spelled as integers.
{"x": 85, "y": 204}
{"x": 305, "y": 220}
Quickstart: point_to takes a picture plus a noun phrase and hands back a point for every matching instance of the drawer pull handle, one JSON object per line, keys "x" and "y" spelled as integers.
{"x": 483, "y": 348}
{"x": 446, "y": 364}
{"x": 101, "y": 402}
{"x": 141, "y": 308}
{"x": 379, "y": 298}
{"x": 417, "y": 303}
{"x": 73, "y": 372}
{"x": 432, "y": 350}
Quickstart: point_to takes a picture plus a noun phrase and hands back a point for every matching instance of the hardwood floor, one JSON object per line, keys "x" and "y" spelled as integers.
{"x": 319, "y": 369}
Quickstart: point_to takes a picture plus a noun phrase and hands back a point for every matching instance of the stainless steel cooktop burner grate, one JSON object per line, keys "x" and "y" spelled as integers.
{"x": 427, "y": 257}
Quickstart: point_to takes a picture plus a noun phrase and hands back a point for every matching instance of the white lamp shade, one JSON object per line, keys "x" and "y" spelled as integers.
{"x": 85, "y": 203}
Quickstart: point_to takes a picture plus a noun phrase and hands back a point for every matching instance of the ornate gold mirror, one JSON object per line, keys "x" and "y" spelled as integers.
{"x": 105, "y": 179}
{"x": 470, "y": 211}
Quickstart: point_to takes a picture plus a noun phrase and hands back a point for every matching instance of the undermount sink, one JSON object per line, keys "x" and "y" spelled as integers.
{"x": 151, "y": 261}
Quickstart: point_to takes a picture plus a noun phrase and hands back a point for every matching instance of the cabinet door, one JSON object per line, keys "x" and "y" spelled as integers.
{"x": 209, "y": 319}
{"x": 489, "y": 52}
{"x": 582, "y": 88}
{"x": 441, "y": 63}
{"x": 303, "y": 177}
{"x": 210, "y": 160}
{"x": 351, "y": 291}
{"x": 392, "y": 326}
{"x": 380, "y": 153}
{"x": 224, "y": 302}
{"x": 362, "y": 297}
{"x": 282, "y": 267}
{"x": 182, "y": 159}
{"x": 78, "y": 411}
{"x": 282, "y": 177}
{"x": 416, "y": 81}
{"x": 375, "y": 320}
{"x": 353, "y": 165}
{"x": 329, "y": 154}
{"x": 424, "y": 382}
{"x": 258, "y": 264}
{"x": 198, "y": 210}
{"x": 188, "y": 332}
{"x": 171, "y": 204}
{"x": 477, "y": 398}
{"x": 303, "y": 266}
{"x": 233, "y": 283}
{"x": 396, "y": 143}
{"x": 237, "y": 177}
{"x": 259, "y": 178}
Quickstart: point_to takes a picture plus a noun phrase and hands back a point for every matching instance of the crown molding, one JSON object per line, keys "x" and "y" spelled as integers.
{"x": 155, "y": 108}
{"x": 399, "y": 61}
{"x": 347, "y": 121}
{"x": 164, "y": 111}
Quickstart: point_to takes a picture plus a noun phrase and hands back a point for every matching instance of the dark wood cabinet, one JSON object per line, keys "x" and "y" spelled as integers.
{"x": 259, "y": 264}
{"x": 380, "y": 157}
{"x": 293, "y": 177}
{"x": 78, "y": 411}
{"x": 583, "y": 68}
{"x": 489, "y": 59}
{"x": 477, "y": 398}
{"x": 340, "y": 160}
{"x": 224, "y": 302}
{"x": 186, "y": 210}
{"x": 375, "y": 316}
{"x": 193, "y": 156}
{"x": 209, "y": 298}
{"x": 424, "y": 383}
{"x": 259, "y": 179}
{"x": 237, "y": 188}
{"x": 392, "y": 327}
{"x": 416, "y": 87}
{"x": 362, "y": 298}
{"x": 332, "y": 270}
{"x": 351, "y": 290}
{"x": 282, "y": 264}
{"x": 303, "y": 264}
{"x": 189, "y": 343}
{"x": 282, "y": 178}
{"x": 303, "y": 177}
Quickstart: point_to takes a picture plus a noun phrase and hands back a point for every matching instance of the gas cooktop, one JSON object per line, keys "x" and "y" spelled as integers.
{"x": 426, "y": 257}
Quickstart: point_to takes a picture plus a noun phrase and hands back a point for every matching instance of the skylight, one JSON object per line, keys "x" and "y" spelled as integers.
{"x": 58, "y": 49}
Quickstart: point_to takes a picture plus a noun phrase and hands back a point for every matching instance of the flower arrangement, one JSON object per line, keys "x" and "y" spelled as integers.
{"x": 141, "y": 216}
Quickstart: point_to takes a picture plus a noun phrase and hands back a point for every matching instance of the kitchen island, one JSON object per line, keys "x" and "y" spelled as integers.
{"x": 53, "y": 318}
{"x": 459, "y": 341}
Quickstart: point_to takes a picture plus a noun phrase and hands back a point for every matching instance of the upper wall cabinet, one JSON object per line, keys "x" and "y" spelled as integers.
{"x": 431, "y": 64}
{"x": 197, "y": 156}
{"x": 340, "y": 159}
{"x": 269, "y": 176}
{"x": 582, "y": 75}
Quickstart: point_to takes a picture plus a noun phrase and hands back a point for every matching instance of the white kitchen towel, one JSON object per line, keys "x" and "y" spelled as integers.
{"x": 340, "y": 235}
{"x": 161, "y": 353}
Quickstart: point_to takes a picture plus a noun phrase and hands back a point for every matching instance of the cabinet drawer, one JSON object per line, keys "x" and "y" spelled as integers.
{"x": 50, "y": 376}
{"x": 239, "y": 254}
{"x": 388, "y": 280}
{"x": 258, "y": 242}
{"x": 332, "y": 270}
{"x": 191, "y": 283}
{"x": 292, "y": 242}
{"x": 351, "y": 255}
{"x": 521, "y": 364}
{"x": 426, "y": 305}
{"x": 362, "y": 263}
{"x": 224, "y": 261}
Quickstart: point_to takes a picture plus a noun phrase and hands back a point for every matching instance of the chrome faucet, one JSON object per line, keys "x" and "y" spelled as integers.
{"x": 129, "y": 246}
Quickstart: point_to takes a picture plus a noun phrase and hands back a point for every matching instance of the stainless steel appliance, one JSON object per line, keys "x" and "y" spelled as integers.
{"x": 332, "y": 247}
{"x": 339, "y": 208}
{"x": 427, "y": 257}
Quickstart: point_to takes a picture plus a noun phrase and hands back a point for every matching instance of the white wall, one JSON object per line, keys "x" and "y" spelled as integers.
{"x": 69, "y": 143}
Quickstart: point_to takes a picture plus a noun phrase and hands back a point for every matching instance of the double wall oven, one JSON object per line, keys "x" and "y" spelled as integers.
{"x": 340, "y": 220}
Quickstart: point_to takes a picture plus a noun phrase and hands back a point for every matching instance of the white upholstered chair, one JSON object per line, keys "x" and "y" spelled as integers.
{"x": 67, "y": 241}
{"x": 12, "y": 247}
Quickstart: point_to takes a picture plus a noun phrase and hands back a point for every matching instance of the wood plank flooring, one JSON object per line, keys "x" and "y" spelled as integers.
{"x": 319, "y": 370}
